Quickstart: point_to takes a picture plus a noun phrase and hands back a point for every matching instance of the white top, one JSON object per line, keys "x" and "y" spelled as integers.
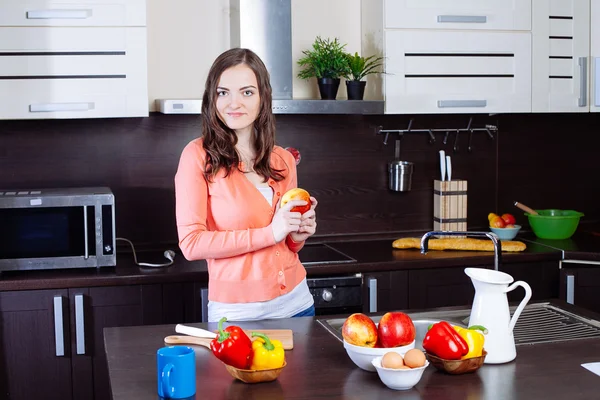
{"x": 286, "y": 306}
{"x": 299, "y": 299}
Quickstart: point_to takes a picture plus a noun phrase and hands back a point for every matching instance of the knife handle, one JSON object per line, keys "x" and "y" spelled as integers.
{"x": 190, "y": 330}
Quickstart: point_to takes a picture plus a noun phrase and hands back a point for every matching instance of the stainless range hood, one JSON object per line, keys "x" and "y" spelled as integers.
{"x": 265, "y": 27}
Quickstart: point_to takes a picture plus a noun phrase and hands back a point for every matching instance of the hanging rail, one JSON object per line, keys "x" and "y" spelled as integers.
{"x": 489, "y": 129}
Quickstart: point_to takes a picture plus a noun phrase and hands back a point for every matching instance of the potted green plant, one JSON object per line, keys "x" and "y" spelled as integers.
{"x": 326, "y": 62}
{"x": 358, "y": 68}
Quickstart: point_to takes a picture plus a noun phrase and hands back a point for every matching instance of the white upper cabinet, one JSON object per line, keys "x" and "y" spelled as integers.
{"x": 458, "y": 14}
{"x": 595, "y": 57}
{"x": 75, "y": 59}
{"x": 561, "y": 55}
{"x": 73, "y": 13}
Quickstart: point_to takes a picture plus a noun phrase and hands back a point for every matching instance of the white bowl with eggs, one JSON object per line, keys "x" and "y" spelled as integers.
{"x": 398, "y": 379}
{"x": 363, "y": 356}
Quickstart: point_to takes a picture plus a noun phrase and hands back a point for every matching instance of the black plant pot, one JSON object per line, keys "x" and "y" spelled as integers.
{"x": 355, "y": 89}
{"x": 328, "y": 88}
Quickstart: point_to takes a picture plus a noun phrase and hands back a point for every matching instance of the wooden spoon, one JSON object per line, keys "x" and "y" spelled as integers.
{"x": 525, "y": 208}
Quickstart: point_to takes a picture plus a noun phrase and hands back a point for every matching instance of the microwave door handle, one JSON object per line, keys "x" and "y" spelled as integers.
{"x": 85, "y": 234}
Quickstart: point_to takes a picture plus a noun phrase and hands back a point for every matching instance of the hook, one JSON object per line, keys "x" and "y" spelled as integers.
{"x": 455, "y": 148}
{"x": 431, "y": 136}
{"x": 409, "y": 125}
{"x": 490, "y": 134}
{"x": 387, "y": 134}
{"x": 470, "y": 121}
{"x": 470, "y": 148}
{"x": 445, "y": 141}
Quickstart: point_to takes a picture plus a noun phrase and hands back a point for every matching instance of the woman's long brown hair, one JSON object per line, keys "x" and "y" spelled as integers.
{"x": 220, "y": 140}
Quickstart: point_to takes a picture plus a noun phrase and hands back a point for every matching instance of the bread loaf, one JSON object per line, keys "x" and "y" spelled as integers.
{"x": 457, "y": 244}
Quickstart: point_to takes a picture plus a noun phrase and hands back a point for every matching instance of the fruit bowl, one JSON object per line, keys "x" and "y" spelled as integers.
{"x": 255, "y": 376}
{"x": 506, "y": 233}
{"x": 363, "y": 356}
{"x": 457, "y": 367}
{"x": 398, "y": 379}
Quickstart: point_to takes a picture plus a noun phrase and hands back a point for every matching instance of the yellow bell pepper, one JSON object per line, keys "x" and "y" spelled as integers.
{"x": 474, "y": 338}
{"x": 266, "y": 353}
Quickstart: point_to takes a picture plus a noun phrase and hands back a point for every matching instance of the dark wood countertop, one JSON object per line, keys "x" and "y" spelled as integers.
{"x": 371, "y": 255}
{"x": 318, "y": 367}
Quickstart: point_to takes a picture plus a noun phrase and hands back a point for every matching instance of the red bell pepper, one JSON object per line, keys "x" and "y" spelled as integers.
{"x": 232, "y": 346}
{"x": 443, "y": 341}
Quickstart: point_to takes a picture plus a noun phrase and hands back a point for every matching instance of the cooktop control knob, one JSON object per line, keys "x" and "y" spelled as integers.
{"x": 327, "y": 295}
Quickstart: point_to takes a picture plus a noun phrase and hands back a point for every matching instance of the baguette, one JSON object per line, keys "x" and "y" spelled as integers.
{"x": 458, "y": 244}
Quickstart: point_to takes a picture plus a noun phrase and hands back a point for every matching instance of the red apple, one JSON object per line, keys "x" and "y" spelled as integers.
{"x": 297, "y": 194}
{"x": 296, "y": 153}
{"x": 509, "y": 219}
{"x": 360, "y": 330}
{"x": 396, "y": 329}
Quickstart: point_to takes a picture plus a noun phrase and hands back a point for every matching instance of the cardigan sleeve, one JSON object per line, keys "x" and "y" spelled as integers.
{"x": 191, "y": 207}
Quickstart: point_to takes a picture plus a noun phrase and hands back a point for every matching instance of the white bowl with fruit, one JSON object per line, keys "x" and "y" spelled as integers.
{"x": 401, "y": 372}
{"x": 364, "y": 340}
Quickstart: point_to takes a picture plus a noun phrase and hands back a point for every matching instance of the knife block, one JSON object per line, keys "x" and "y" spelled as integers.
{"x": 450, "y": 205}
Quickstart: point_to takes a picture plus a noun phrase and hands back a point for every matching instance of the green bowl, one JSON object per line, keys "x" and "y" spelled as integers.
{"x": 554, "y": 224}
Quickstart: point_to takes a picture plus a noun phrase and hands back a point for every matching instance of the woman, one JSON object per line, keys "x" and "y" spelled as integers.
{"x": 228, "y": 186}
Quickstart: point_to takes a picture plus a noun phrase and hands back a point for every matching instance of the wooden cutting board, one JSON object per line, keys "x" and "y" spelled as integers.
{"x": 286, "y": 336}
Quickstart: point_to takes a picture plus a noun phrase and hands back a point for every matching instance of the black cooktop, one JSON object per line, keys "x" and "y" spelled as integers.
{"x": 322, "y": 254}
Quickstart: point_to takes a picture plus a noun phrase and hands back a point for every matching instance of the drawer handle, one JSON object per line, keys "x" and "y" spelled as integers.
{"x": 59, "y": 332}
{"x": 372, "y": 294}
{"x": 79, "y": 324}
{"x": 571, "y": 289}
{"x": 582, "y": 101}
{"x": 461, "y": 103}
{"x": 477, "y": 19}
{"x": 59, "y": 14}
{"x": 597, "y": 81}
{"x": 52, "y": 107}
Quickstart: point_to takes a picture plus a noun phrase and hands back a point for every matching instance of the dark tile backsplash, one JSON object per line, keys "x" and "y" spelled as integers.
{"x": 542, "y": 160}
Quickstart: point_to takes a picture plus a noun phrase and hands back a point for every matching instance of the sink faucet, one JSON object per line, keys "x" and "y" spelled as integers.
{"x": 493, "y": 237}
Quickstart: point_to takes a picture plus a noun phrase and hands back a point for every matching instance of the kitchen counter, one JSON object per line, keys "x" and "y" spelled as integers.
{"x": 370, "y": 255}
{"x": 318, "y": 367}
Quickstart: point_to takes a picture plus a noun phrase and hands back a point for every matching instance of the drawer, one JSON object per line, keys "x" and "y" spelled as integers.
{"x": 73, "y": 13}
{"x": 458, "y": 14}
{"x": 457, "y": 72}
{"x": 72, "y": 98}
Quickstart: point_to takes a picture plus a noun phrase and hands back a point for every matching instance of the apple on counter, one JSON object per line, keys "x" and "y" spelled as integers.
{"x": 395, "y": 329}
{"x": 360, "y": 330}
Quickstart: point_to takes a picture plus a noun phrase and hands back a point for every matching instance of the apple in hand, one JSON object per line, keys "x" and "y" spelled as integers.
{"x": 297, "y": 194}
{"x": 509, "y": 219}
{"x": 360, "y": 330}
{"x": 396, "y": 329}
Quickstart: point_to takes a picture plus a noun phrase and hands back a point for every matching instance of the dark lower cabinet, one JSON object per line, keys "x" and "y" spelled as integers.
{"x": 52, "y": 340}
{"x": 388, "y": 289}
{"x": 580, "y": 285}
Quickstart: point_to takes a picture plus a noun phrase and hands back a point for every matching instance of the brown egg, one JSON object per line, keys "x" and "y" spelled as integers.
{"x": 392, "y": 360}
{"x": 414, "y": 358}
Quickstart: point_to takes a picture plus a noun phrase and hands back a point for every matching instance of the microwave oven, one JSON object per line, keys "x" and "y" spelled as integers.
{"x": 57, "y": 228}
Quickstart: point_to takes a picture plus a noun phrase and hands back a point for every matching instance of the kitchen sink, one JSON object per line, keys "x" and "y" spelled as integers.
{"x": 538, "y": 323}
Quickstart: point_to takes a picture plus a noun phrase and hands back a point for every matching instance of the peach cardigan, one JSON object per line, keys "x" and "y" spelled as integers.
{"x": 227, "y": 223}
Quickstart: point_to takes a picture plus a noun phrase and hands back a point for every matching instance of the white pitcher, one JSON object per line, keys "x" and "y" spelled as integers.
{"x": 490, "y": 309}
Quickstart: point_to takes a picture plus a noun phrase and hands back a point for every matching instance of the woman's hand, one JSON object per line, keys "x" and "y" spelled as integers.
{"x": 308, "y": 223}
{"x": 285, "y": 222}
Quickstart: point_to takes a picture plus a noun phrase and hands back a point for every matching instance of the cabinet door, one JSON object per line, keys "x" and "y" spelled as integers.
{"x": 580, "y": 286}
{"x": 457, "y": 72}
{"x": 388, "y": 289}
{"x": 458, "y": 14}
{"x": 561, "y": 44}
{"x": 35, "y": 357}
{"x": 92, "y": 310}
{"x": 439, "y": 287}
{"x": 543, "y": 277}
{"x": 595, "y": 57}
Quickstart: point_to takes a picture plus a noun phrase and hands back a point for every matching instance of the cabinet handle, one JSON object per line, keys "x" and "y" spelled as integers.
{"x": 461, "y": 103}
{"x": 204, "y": 304}
{"x": 571, "y": 289}
{"x": 79, "y": 324}
{"x": 59, "y": 332}
{"x": 477, "y": 19}
{"x": 596, "y": 83}
{"x": 582, "y": 82}
{"x": 372, "y": 294}
{"x": 59, "y": 14}
{"x": 51, "y": 107}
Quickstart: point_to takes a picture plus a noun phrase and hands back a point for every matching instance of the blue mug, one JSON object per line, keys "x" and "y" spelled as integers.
{"x": 176, "y": 370}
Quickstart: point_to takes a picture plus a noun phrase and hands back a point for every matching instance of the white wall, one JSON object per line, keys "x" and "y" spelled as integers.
{"x": 185, "y": 36}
